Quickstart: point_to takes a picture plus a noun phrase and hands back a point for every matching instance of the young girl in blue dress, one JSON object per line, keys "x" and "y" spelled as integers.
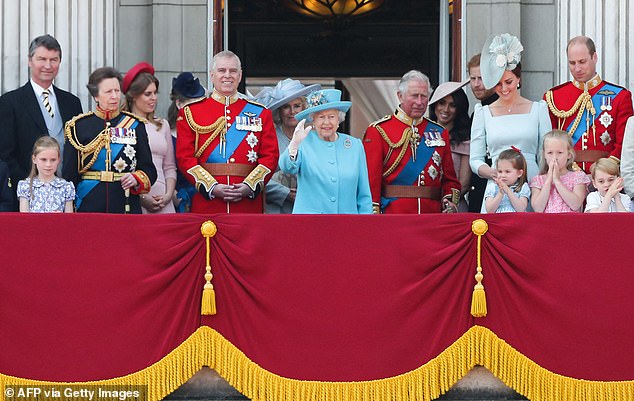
{"x": 43, "y": 191}
{"x": 509, "y": 191}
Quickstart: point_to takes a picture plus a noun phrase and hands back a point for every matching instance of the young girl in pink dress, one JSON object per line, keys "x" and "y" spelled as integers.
{"x": 559, "y": 188}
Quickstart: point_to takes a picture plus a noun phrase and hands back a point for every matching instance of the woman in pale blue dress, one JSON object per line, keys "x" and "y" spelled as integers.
{"x": 512, "y": 120}
{"x": 332, "y": 173}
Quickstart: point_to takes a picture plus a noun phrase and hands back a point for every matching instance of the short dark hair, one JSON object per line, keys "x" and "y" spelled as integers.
{"x": 99, "y": 75}
{"x": 46, "y": 41}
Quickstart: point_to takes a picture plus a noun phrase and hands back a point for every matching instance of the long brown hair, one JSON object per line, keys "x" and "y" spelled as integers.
{"x": 137, "y": 88}
{"x": 42, "y": 143}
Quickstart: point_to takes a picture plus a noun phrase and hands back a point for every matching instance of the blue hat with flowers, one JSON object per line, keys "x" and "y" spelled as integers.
{"x": 285, "y": 91}
{"x": 325, "y": 99}
{"x": 500, "y": 53}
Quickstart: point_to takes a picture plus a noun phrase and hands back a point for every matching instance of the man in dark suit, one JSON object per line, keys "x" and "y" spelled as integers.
{"x": 36, "y": 109}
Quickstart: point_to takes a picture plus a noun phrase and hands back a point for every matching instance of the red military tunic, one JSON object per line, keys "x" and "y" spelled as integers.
{"x": 386, "y": 140}
{"x": 202, "y": 127}
{"x": 603, "y": 137}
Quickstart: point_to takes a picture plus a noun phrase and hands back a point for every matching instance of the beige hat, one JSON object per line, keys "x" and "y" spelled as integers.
{"x": 445, "y": 89}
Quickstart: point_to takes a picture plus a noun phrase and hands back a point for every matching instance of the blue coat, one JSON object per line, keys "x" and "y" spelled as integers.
{"x": 332, "y": 177}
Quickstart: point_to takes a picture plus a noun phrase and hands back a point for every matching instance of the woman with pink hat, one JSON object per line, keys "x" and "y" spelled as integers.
{"x": 141, "y": 89}
{"x": 284, "y": 100}
{"x": 332, "y": 173}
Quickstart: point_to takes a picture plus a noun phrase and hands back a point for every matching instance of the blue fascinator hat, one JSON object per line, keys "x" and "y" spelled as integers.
{"x": 285, "y": 91}
{"x": 325, "y": 99}
{"x": 500, "y": 53}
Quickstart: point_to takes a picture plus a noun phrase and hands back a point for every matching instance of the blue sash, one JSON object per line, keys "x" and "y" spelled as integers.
{"x": 596, "y": 102}
{"x": 412, "y": 169}
{"x": 234, "y": 136}
{"x": 85, "y": 186}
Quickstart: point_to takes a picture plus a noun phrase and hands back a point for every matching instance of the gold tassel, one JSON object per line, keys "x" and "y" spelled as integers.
{"x": 208, "y": 306}
{"x": 478, "y": 298}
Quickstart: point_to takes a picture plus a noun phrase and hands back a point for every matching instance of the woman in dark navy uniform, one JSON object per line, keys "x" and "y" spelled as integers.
{"x": 107, "y": 155}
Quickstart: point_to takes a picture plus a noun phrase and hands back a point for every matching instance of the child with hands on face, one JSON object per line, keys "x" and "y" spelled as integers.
{"x": 608, "y": 196}
{"x": 559, "y": 188}
{"x": 508, "y": 192}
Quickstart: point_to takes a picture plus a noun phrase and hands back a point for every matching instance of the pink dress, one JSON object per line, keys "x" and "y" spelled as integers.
{"x": 164, "y": 161}
{"x": 556, "y": 204}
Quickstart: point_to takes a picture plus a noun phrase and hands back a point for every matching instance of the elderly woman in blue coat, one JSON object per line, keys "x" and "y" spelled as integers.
{"x": 332, "y": 174}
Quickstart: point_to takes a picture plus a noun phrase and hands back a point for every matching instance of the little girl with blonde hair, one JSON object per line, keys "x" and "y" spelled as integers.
{"x": 43, "y": 191}
{"x": 560, "y": 188}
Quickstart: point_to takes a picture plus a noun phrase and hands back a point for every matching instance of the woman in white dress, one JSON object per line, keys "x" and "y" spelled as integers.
{"x": 512, "y": 120}
{"x": 141, "y": 87}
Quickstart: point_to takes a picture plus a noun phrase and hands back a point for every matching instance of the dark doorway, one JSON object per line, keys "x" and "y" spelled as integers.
{"x": 275, "y": 41}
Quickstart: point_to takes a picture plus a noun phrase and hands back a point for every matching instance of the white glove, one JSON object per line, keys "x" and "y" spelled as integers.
{"x": 299, "y": 135}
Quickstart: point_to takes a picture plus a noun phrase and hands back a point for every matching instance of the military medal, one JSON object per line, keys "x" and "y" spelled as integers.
{"x": 436, "y": 158}
{"x": 606, "y": 119}
{"x": 120, "y": 165}
{"x": 433, "y": 173}
{"x": 252, "y": 156}
{"x": 606, "y": 103}
{"x": 605, "y": 138}
{"x": 124, "y": 136}
{"x": 249, "y": 122}
{"x": 252, "y": 140}
{"x": 129, "y": 151}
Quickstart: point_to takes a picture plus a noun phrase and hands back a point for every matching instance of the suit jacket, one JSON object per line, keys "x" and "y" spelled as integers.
{"x": 7, "y": 196}
{"x": 22, "y": 124}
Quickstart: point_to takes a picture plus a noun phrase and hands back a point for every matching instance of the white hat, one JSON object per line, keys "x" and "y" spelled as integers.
{"x": 446, "y": 89}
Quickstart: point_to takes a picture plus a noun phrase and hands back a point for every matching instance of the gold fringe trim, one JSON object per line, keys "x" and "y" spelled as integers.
{"x": 478, "y": 346}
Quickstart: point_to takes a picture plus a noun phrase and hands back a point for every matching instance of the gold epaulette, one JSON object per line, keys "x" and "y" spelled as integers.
{"x": 141, "y": 119}
{"x": 91, "y": 149}
{"x": 71, "y": 123}
{"x": 255, "y": 103}
{"x": 380, "y": 120}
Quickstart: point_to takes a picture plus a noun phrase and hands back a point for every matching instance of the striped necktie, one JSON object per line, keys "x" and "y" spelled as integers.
{"x": 47, "y": 104}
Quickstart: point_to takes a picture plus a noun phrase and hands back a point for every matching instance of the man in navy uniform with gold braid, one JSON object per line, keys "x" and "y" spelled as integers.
{"x": 591, "y": 110}
{"x": 409, "y": 157}
{"x": 226, "y": 145}
{"x": 107, "y": 155}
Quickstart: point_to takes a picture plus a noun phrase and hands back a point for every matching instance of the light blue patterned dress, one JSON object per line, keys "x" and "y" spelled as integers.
{"x": 505, "y": 205}
{"x": 47, "y": 196}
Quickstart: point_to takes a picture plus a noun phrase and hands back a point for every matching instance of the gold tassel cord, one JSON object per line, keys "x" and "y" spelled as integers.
{"x": 478, "y": 346}
{"x": 208, "y": 306}
{"x": 478, "y": 299}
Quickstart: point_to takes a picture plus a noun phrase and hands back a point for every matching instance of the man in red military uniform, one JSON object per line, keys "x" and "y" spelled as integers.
{"x": 409, "y": 157}
{"x": 591, "y": 110}
{"x": 226, "y": 145}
